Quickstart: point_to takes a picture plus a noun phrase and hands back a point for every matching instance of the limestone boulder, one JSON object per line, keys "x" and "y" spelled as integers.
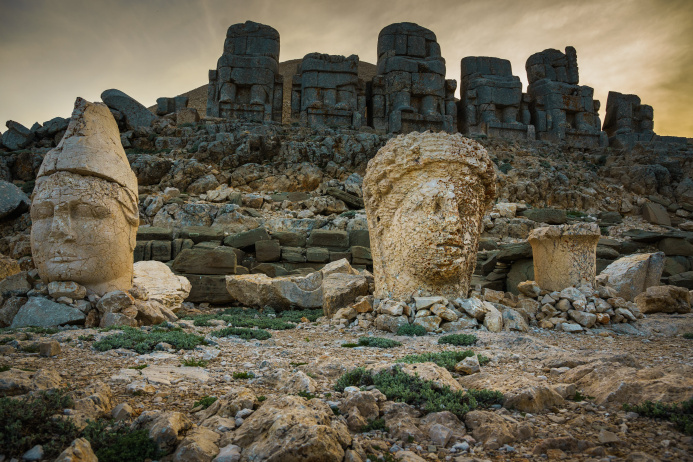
{"x": 13, "y": 201}
{"x": 493, "y": 319}
{"x": 612, "y": 383}
{"x": 632, "y": 275}
{"x": 41, "y": 312}
{"x": 656, "y": 214}
{"x": 281, "y": 292}
{"x": 522, "y": 391}
{"x": 8, "y": 267}
{"x": 15, "y": 382}
{"x": 167, "y": 429}
{"x": 290, "y": 428}
{"x": 79, "y": 451}
{"x": 136, "y": 115}
{"x": 488, "y": 427}
{"x": 340, "y": 290}
{"x": 161, "y": 284}
{"x": 199, "y": 445}
{"x": 664, "y": 299}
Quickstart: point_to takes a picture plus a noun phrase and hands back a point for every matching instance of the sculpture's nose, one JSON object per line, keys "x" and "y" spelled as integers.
{"x": 61, "y": 226}
{"x": 446, "y": 208}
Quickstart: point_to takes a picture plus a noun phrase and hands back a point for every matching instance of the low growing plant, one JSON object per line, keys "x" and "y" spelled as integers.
{"x": 378, "y": 342}
{"x": 375, "y": 424}
{"x": 681, "y": 414}
{"x": 244, "y": 333}
{"x": 446, "y": 359}
{"x": 411, "y": 330}
{"x": 192, "y": 362}
{"x": 145, "y": 342}
{"x": 458, "y": 339}
{"x": 205, "y": 402}
{"x": 243, "y": 375}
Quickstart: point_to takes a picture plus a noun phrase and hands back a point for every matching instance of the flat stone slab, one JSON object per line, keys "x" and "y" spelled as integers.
{"x": 42, "y": 312}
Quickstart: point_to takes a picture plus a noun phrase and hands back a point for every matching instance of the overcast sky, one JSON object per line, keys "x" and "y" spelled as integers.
{"x": 53, "y": 51}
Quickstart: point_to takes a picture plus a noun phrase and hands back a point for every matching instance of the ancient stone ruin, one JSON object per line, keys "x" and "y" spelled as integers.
{"x": 410, "y": 92}
{"x": 84, "y": 210}
{"x": 246, "y": 84}
{"x": 565, "y": 255}
{"x": 491, "y": 100}
{"x": 327, "y": 92}
{"x": 561, "y": 109}
{"x": 425, "y": 196}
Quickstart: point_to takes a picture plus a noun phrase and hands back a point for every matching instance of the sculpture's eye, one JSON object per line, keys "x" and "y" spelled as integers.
{"x": 42, "y": 211}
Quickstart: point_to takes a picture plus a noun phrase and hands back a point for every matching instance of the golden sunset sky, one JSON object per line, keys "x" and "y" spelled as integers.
{"x": 53, "y": 51}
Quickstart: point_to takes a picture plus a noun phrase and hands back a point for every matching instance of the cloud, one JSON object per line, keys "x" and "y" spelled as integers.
{"x": 55, "y": 51}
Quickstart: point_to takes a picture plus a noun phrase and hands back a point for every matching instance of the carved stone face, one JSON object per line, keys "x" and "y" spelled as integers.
{"x": 425, "y": 197}
{"x": 84, "y": 230}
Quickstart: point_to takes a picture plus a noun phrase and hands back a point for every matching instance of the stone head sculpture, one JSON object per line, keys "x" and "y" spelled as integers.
{"x": 425, "y": 196}
{"x": 85, "y": 210}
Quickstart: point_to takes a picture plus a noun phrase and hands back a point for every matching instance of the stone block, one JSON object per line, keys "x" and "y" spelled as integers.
{"x": 361, "y": 255}
{"x": 294, "y": 254}
{"x": 208, "y": 288}
{"x": 336, "y": 256}
{"x": 290, "y": 239}
{"x": 220, "y": 260}
{"x": 247, "y": 238}
{"x": 317, "y": 255}
{"x": 331, "y": 239}
{"x": 154, "y": 233}
{"x": 656, "y": 214}
{"x": 161, "y": 251}
{"x": 202, "y": 233}
{"x": 268, "y": 251}
{"x": 674, "y": 246}
{"x": 548, "y": 215}
{"x": 359, "y": 237}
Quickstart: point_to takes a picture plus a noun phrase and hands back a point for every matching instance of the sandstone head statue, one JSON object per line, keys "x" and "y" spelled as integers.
{"x": 425, "y": 196}
{"x": 84, "y": 210}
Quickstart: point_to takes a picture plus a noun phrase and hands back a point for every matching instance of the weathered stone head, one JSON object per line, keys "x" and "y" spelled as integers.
{"x": 84, "y": 211}
{"x": 425, "y": 196}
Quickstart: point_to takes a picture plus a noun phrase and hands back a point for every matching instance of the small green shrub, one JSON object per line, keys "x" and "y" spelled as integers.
{"x": 115, "y": 442}
{"x": 577, "y": 397}
{"x": 376, "y": 424}
{"x": 205, "y": 402}
{"x": 378, "y": 342}
{"x": 29, "y": 421}
{"x": 5, "y": 367}
{"x": 483, "y": 360}
{"x": 486, "y": 398}
{"x": 295, "y": 316}
{"x": 261, "y": 398}
{"x": 350, "y": 345}
{"x": 243, "y": 375}
{"x": 505, "y": 168}
{"x": 245, "y": 334}
{"x": 192, "y": 362}
{"x": 458, "y": 339}
{"x": 145, "y": 342}
{"x": 688, "y": 335}
{"x": 411, "y": 330}
{"x": 42, "y": 330}
{"x": 5, "y": 340}
{"x": 295, "y": 364}
{"x": 398, "y": 386}
{"x": 139, "y": 367}
{"x": 267, "y": 319}
{"x": 305, "y": 394}
{"x": 446, "y": 359}
{"x": 681, "y": 414}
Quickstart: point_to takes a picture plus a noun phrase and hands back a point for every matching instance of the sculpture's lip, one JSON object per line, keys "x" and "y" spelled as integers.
{"x": 63, "y": 259}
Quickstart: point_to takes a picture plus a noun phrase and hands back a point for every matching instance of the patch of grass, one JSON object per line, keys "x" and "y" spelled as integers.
{"x": 458, "y": 339}
{"x": 446, "y": 359}
{"x": 205, "y": 401}
{"x": 243, "y": 375}
{"x": 297, "y": 315}
{"x": 423, "y": 394}
{"x": 29, "y": 421}
{"x": 244, "y": 333}
{"x": 86, "y": 338}
{"x": 350, "y": 345}
{"x": 688, "y": 335}
{"x": 115, "y": 442}
{"x": 138, "y": 368}
{"x": 577, "y": 397}
{"x": 265, "y": 319}
{"x": 5, "y": 367}
{"x": 378, "y": 342}
{"x": 411, "y": 330}
{"x": 194, "y": 362}
{"x": 145, "y": 342}
{"x": 486, "y": 398}
{"x": 377, "y": 424}
{"x": 305, "y": 394}
{"x": 261, "y": 398}
{"x": 681, "y": 414}
{"x": 42, "y": 330}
